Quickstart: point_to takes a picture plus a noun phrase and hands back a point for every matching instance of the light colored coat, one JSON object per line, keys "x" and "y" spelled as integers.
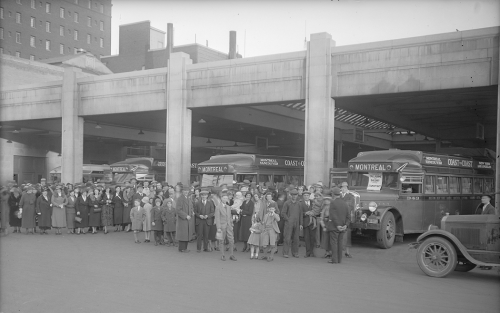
{"x": 223, "y": 217}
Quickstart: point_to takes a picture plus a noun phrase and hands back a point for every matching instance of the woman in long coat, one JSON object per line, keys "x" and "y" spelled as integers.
{"x": 246, "y": 219}
{"x": 118, "y": 208}
{"x": 107, "y": 209}
{"x": 95, "y": 210}
{"x": 71, "y": 212}
{"x": 44, "y": 211}
{"x": 184, "y": 210}
{"x": 27, "y": 206}
{"x": 14, "y": 219}
{"x": 59, "y": 202}
{"x": 5, "y": 210}
{"x": 146, "y": 227}
{"x": 128, "y": 203}
{"x": 82, "y": 210}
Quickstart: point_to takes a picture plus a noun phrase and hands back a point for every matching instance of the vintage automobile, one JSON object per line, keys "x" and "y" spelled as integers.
{"x": 462, "y": 243}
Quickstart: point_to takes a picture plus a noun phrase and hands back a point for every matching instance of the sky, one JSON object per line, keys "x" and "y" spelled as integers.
{"x": 277, "y": 26}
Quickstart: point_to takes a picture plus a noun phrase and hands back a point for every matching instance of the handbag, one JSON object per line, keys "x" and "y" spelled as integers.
{"x": 78, "y": 219}
{"x": 218, "y": 236}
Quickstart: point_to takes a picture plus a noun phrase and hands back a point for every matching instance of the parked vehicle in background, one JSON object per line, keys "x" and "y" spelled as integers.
{"x": 462, "y": 243}
{"x": 404, "y": 191}
{"x": 91, "y": 173}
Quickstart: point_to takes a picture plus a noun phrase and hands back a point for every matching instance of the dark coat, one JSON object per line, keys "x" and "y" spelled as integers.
{"x": 169, "y": 218}
{"x": 488, "y": 210}
{"x": 82, "y": 207}
{"x": 118, "y": 208}
{"x": 246, "y": 219}
{"x": 207, "y": 209}
{"x": 13, "y": 201}
{"x": 94, "y": 216}
{"x": 338, "y": 214}
{"x": 183, "y": 208}
{"x": 156, "y": 218}
{"x": 44, "y": 210}
{"x": 308, "y": 221}
{"x": 28, "y": 203}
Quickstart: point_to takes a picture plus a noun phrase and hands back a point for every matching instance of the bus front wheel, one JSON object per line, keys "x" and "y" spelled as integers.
{"x": 387, "y": 232}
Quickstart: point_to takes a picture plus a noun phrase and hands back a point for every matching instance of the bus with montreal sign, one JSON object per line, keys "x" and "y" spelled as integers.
{"x": 263, "y": 170}
{"x": 143, "y": 169}
{"x": 403, "y": 192}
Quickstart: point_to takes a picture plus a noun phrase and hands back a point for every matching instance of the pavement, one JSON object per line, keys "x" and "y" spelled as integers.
{"x": 110, "y": 273}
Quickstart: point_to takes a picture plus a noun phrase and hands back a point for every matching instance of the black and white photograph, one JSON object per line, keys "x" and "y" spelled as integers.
{"x": 249, "y": 156}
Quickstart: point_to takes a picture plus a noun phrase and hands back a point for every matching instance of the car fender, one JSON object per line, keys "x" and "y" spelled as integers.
{"x": 397, "y": 216}
{"x": 454, "y": 240}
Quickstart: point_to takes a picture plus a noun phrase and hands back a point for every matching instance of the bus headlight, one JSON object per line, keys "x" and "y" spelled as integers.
{"x": 363, "y": 217}
{"x": 372, "y": 206}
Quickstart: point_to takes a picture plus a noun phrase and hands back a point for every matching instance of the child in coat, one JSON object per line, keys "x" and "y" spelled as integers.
{"x": 147, "y": 219}
{"x": 169, "y": 217}
{"x": 137, "y": 216}
{"x": 156, "y": 222}
{"x": 254, "y": 239}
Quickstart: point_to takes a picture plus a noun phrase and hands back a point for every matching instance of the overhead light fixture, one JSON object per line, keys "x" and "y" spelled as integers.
{"x": 208, "y": 140}
{"x": 272, "y": 133}
{"x": 235, "y": 144}
{"x": 140, "y": 132}
{"x": 366, "y": 121}
{"x": 202, "y": 121}
{"x": 16, "y": 131}
{"x": 98, "y": 126}
{"x": 9, "y": 141}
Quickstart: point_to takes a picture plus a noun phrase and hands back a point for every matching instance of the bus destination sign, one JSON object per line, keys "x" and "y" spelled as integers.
{"x": 119, "y": 169}
{"x": 455, "y": 162}
{"x": 371, "y": 167}
{"x": 279, "y": 162}
{"x": 219, "y": 168}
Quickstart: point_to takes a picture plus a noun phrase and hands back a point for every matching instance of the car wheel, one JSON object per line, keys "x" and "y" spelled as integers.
{"x": 464, "y": 266}
{"x": 436, "y": 257}
{"x": 387, "y": 232}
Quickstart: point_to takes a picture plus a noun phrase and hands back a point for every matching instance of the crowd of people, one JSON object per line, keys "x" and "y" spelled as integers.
{"x": 260, "y": 217}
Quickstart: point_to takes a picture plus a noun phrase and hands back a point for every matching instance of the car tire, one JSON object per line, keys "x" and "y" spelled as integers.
{"x": 464, "y": 266}
{"x": 436, "y": 257}
{"x": 387, "y": 232}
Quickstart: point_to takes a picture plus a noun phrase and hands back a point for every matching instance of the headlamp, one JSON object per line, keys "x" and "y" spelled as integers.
{"x": 363, "y": 217}
{"x": 372, "y": 206}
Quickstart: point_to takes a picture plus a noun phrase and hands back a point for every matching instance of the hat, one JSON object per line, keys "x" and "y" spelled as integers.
{"x": 44, "y": 188}
{"x": 145, "y": 200}
{"x": 344, "y": 184}
{"x": 248, "y": 193}
{"x": 246, "y": 181}
{"x": 487, "y": 195}
{"x": 216, "y": 189}
{"x": 157, "y": 200}
{"x": 327, "y": 193}
{"x": 273, "y": 205}
{"x": 306, "y": 192}
{"x": 271, "y": 188}
{"x": 244, "y": 189}
{"x": 196, "y": 184}
{"x": 204, "y": 192}
{"x": 58, "y": 187}
{"x": 294, "y": 192}
{"x": 336, "y": 191}
{"x": 269, "y": 193}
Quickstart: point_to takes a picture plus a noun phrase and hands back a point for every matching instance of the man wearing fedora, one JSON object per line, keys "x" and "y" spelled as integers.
{"x": 224, "y": 223}
{"x": 292, "y": 214}
{"x": 204, "y": 211}
{"x": 184, "y": 210}
{"x": 310, "y": 223}
{"x": 336, "y": 226}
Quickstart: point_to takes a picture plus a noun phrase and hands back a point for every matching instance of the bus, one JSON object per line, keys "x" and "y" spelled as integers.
{"x": 403, "y": 192}
{"x": 143, "y": 169}
{"x": 263, "y": 170}
{"x": 91, "y": 173}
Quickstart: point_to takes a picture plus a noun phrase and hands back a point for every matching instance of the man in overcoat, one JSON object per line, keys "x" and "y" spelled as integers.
{"x": 184, "y": 212}
{"x": 204, "y": 211}
{"x": 336, "y": 226}
{"x": 309, "y": 220}
{"x": 224, "y": 223}
{"x": 292, "y": 214}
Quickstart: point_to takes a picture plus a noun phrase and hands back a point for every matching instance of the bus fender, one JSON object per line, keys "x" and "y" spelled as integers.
{"x": 450, "y": 237}
{"x": 397, "y": 217}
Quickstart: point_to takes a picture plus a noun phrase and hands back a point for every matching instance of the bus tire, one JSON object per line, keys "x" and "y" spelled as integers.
{"x": 436, "y": 257}
{"x": 387, "y": 232}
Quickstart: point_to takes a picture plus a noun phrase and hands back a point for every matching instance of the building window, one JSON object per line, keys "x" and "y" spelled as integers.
{"x": 88, "y": 39}
{"x": 47, "y": 27}
{"x": 1, "y": 33}
{"x": 101, "y": 42}
{"x": 47, "y": 7}
{"x": 1, "y": 12}
{"x": 75, "y": 35}
{"x": 18, "y": 54}
{"x": 32, "y": 41}
{"x": 61, "y": 30}
{"x": 75, "y": 16}
{"x": 33, "y": 22}
{"x": 89, "y": 21}
{"x": 101, "y": 8}
{"x": 61, "y": 49}
{"x": 101, "y": 25}
{"x": 47, "y": 45}
{"x": 18, "y": 18}
{"x": 33, "y": 4}
{"x": 18, "y": 37}
{"x": 32, "y": 58}
{"x": 61, "y": 12}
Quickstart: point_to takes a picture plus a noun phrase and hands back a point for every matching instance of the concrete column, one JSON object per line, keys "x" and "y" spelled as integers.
{"x": 72, "y": 129}
{"x": 178, "y": 141}
{"x": 320, "y": 110}
{"x": 497, "y": 161}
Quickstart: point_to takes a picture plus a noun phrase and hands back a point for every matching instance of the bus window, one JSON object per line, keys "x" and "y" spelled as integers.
{"x": 466, "y": 185}
{"x": 478, "y": 185}
{"x": 488, "y": 185}
{"x": 430, "y": 182}
{"x": 293, "y": 180}
{"x": 442, "y": 185}
{"x": 216, "y": 180}
{"x": 252, "y": 178}
{"x": 360, "y": 179}
{"x": 265, "y": 180}
{"x": 279, "y": 181}
{"x": 411, "y": 184}
{"x": 454, "y": 185}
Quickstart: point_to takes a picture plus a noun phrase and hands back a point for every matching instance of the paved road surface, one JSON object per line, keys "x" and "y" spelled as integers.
{"x": 109, "y": 273}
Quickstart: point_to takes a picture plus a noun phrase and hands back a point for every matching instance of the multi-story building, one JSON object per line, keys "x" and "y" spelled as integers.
{"x": 37, "y": 30}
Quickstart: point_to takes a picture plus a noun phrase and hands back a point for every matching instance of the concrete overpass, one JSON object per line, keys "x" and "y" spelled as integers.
{"x": 444, "y": 86}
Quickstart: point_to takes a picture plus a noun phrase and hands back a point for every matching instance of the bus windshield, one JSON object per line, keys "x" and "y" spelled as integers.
{"x": 373, "y": 181}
